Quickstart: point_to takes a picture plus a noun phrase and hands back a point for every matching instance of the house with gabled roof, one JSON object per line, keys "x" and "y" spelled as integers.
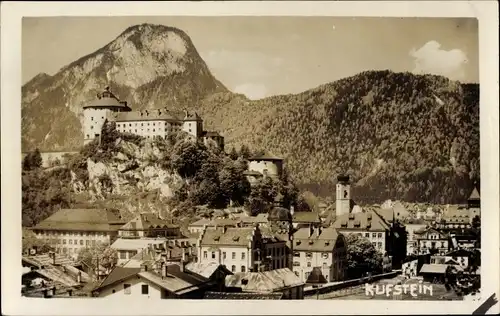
{"x": 267, "y": 282}
{"x": 69, "y": 230}
{"x": 154, "y": 282}
{"x": 306, "y": 219}
{"x": 264, "y": 165}
{"x": 367, "y": 224}
{"x": 149, "y": 225}
{"x": 322, "y": 248}
{"x": 430, "y": 240}
{"x": 198, "y": 226}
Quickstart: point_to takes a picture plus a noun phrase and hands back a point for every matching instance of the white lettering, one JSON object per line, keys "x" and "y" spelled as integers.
{"x": 405, "y": 288}
{"x": 379, "y": 289}
{"x": 413, "y": 290}
{"x": 397, "y": 289}
{"x": 428, "y": 287}
{"x": 388, "y": 289}
{"x": 369, "y": 290}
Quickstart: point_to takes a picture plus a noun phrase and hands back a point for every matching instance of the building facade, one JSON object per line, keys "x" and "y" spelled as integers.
{"x": 265, "y": 166}
{"x": 147, "y": 123}
{"x": 432, "y": 241}
{"x": 411, "y": 228}
{"x": 70, "y": 230}
{"x": 236, "y": 248}
{"x": 149, "y": 225}
{"x": 368, "y": 225}
{"x": 322, "y": 248}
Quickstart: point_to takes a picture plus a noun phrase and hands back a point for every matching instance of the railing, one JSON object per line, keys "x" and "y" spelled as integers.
{"x": 349, "y": 283}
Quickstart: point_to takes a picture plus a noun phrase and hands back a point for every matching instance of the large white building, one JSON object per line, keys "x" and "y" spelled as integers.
{"x": 146, "y": 123}
{"x": 70, "y": 230}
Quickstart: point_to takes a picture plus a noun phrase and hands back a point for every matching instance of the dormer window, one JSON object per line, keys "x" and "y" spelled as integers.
{"x": 236, "y": 238}
{"x": 311, "y": 242}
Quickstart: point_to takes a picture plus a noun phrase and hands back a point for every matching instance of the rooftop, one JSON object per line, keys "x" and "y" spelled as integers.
{"x": 316, "y": 277}
{"x": 82, "y": 220}
{"x": 206, "y": 269}
{"x": 135, "y": 244}
{"x": 367, "y": 221}
{"x": 147, "y": 221}
{"x": 265, "y": 157}
{"x": 242, "y": 296}
{"x": 306, "y": 217}
{"x": 148, "y": 115}
{"x": 107, "y": 99}
{"x": 227, "y": 236}
{"x": 264, "y": 282}
{"x": 321, "y": 240}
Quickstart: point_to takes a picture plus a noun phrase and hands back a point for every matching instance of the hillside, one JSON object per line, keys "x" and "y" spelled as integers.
{"x": 400, "y": 136}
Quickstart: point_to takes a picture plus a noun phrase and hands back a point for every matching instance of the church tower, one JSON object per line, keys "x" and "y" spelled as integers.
{"x": 343, "y": 196}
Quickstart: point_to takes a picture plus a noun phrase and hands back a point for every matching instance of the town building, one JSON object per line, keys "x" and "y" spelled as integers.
{"x": 323, "y": 248}
{"x": 263, "y": 166}
{"x": 458, "y": 257}
{"x": 265, "y": 282}
{"x": 455, "y": 217}
{"x": 430, "y": 240}
{"x": 146, "y": 123}
{"x": 149, "y": 225}
{"x": 413, "y": 225}
{"x": 242, "y": 249}
{"x": 154, "y": 282}
{"x": 367, "y": 224}
{"x": 70, "y": 230}
{"x": 343, "y": 202}
{"x": 198, "y": 226}
{"x": 306, "y": 219}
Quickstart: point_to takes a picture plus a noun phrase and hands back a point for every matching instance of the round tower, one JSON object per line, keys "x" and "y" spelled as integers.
{"x": 98, "y": 111}
{"x": 343, "y": 196}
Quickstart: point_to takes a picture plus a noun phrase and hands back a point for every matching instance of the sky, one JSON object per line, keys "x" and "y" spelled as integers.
{"x": 264, "y": 56}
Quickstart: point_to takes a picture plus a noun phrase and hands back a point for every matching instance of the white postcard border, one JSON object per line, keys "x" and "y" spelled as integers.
{"x": 11, "y": 15}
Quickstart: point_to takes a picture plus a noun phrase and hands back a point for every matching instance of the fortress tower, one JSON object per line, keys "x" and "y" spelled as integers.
{"x": 95, "y": 113}
{"x": 343, "y": 196}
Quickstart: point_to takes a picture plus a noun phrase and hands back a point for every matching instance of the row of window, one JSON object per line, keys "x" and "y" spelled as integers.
{"x": 377, "y": 245}
{"x": 81, "y": 242}
{"x": 309, "y": 265}
{"x": 242, "y": 268}
{"x": 77, "y": 234}
{"x": 147, "y": 124}
{"x": 233, "y": 255}
{"x": 308, "y": 255}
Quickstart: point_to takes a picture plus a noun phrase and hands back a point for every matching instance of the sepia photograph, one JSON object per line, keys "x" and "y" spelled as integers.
{"x": 326, "y": 158}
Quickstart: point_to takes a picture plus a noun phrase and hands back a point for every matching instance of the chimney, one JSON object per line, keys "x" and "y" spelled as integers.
{"x": 311, "y": 230}
{"x": 52, "y": 255}
{"x": 144, "y": 267}
{"x": 79, "y": 277}
{"x": 183, "y": 264}
{"x": 164, "y": 271}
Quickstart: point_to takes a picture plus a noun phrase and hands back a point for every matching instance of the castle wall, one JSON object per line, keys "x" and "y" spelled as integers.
{"x": 273, "y": 168}
{"x": 93, "y": 120}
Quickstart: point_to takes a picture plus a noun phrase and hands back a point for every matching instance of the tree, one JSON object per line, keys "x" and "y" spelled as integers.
{"x": 188, "y": 158}
{"x": 233, "y": 154}
{"x": 234, "y": 185}
{"x": 32, "y": 161}
{"x": 262, "y": 196}
{"x": 245, "y": 152}
{"x": 30, "y": 241}
{"x": 100, "y": 254}
{"x": 362, "y": 257}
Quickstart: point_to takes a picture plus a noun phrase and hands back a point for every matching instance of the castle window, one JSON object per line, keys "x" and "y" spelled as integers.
{"x": 142, "y": 124}
{"x": 91, "y": 127}
{"x": 129, "y": 124}
{"x": 153, "y": 125}
{"x": 92, "y": 118}
{"x": 102, "y": 117}
{"x": 87, "y": 135}
{"x": 153, "y": 129}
